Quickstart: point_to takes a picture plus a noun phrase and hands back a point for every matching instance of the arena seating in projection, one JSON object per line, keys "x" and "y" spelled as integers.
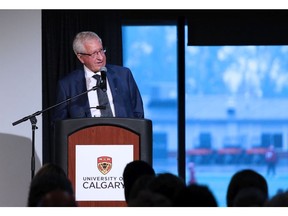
{"x": 233, "y": 152}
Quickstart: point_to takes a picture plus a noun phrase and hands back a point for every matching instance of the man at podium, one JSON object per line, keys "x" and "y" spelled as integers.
{"x": 80, "y": 87}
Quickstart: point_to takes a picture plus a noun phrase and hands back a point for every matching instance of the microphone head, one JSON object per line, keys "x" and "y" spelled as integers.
{"x": 103, "y": 84}
{"x": 104, "y": 69}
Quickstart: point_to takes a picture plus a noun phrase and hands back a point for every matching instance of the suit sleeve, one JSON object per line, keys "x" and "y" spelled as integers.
{"x": 137, "y": 103}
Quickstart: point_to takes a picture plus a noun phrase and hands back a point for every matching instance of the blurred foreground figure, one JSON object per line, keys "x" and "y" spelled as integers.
{"x": 57, "y": 198}
{"x": 247, "y": 188}
{"x": 50, "y": 186}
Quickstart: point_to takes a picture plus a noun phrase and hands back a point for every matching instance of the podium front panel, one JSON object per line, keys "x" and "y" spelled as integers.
{"x": 117, "y": 133}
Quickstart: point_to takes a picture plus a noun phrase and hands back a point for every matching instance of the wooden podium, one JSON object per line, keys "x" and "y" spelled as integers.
{"x": 100, "y": 133}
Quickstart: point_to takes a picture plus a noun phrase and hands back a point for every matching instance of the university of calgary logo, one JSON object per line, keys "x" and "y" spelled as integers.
{"x": 104, "y": 164}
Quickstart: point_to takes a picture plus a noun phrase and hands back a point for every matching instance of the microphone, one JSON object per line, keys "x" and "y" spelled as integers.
{"x": 99, "y": 107}
{"x": 103, "y": 84}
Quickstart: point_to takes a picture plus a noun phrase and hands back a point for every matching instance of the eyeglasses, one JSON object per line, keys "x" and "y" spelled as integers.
{"x": 94, "y": 54}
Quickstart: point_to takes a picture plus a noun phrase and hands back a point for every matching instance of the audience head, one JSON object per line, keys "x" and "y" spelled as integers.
{"x": 49, "y": 178}
{"x": 196, "y": 195}
{"x": 57, "y": 198}
{"x": 168, "y": 185}
{"x": 147, "y": 198}
{"x": 160, "y": 190}
{"x": 132, "y": 172}
{"x": 242, "y": 179}
{"x": 141, "y": 184}
{"x": 250, "y": 197}
{"x": 278, "y": 200}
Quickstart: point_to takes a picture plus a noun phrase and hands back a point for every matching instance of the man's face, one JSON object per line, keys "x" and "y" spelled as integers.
{"x": 94, "y": 58}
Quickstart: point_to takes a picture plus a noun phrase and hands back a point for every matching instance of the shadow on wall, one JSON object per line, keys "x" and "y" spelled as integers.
{"x": 15, "y": 169}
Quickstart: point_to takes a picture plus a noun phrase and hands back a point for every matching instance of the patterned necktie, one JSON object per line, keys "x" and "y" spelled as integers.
{"x": 103, "y": 99}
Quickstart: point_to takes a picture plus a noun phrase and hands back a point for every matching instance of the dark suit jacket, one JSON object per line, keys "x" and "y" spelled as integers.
{"x": 126, "y": 96}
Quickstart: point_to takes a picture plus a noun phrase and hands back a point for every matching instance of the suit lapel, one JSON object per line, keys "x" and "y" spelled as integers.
{"x": 80, "y": 87}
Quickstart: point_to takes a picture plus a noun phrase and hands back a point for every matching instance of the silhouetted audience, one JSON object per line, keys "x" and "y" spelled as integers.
{"x": 196, "y": 195}
{"x": 250, "y": 197}
{"x": 147, "y": 198}
{"x": 243, "y": 179}
{"x": 168, "y": 185}
{"x": 50, "y": 182}
{"x": 141, "y": 184}
{"x": 278, "y": 200}
{"x": 132, "y": 172}
{"x": 160, "y": 190}
{"x": 144, "y": 188}
{"x": 57, "y": 198}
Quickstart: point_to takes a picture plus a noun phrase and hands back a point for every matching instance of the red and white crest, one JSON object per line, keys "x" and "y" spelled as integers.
{"x": 104, "y": 164}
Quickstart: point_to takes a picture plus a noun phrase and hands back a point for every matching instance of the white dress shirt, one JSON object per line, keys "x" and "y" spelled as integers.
{"x": 92, "y": 95}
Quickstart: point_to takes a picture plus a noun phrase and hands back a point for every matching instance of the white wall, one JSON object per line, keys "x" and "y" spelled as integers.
{"x": 21, "y": 95}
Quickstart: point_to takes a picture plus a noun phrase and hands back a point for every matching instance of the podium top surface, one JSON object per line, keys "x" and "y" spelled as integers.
{"x": 134, "y": 124}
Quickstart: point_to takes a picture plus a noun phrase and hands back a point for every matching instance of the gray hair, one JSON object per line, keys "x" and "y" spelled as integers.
{"x": 81, "y": 38}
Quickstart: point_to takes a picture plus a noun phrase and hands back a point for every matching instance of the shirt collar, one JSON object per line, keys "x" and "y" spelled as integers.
{"x": 89, "y": 73}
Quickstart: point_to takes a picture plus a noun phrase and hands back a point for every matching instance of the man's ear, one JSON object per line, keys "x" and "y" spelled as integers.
{"x": 79, "y": 56}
